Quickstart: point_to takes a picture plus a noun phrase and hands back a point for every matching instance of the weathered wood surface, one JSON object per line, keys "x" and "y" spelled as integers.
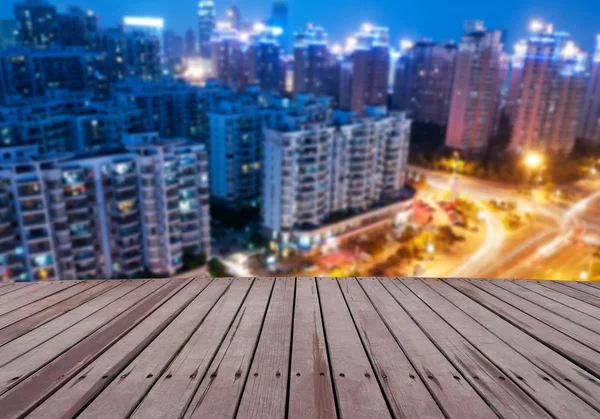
{"x": 300, "y": 348}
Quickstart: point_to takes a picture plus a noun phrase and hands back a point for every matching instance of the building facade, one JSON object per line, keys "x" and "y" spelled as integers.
{"x": 206, "y": 25}
{"x": 550, "y": 94}
{"x": 370, "y": 68}
{"x": 263, "y": 61}
{"x": 229, "y": 56}
{"x": 344, "y": 165}
{"x": 311, "y": 61}
{"x": 476, "y": 91}
{"x": 37, "y": 23}
{"x": 423, "y": 81}
{"x": 589, "y": 126}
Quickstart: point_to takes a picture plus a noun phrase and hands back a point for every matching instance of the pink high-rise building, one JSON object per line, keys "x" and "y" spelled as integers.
{"x": 550, "y": 92}
{"x": 476, "y": 92}
{"x": 589, "y": 122}
{"x": 370, "y": 68}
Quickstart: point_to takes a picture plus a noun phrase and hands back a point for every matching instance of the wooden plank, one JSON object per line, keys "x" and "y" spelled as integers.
{"x": 408, "y": 397}
{"x": 265, "y": 394}
{"x": 15, "y": 289}
{"x": 41, "y": 334}
{"x": 356, "y": 389}
{"x": 526, "y": 382}
{"x": 127, "y": 380}
{"x": 557, "y": 308}
{"x": 564, "y": 299}
{"x": 19, "y": 322}
{"x": 34, "y": 294}
{"x": 468, "y": 368}
{"x": 538, "y": 314}
{"x": 595, "y": 284}
{"x": 584, "y": 292}
{"x": 173, "y": 319}
{"x": 311, "y": 392}
{"x": 21, "y": 367}
{"x": 170, "y": 396}
{"x": 490, "y": 313}
{"x": 27, "y": 395}
{"x": 559, "y": 338}
{"x": 219, "y": 393}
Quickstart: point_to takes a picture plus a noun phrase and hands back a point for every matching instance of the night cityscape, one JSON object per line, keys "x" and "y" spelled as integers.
{"x": 141, "y": 148}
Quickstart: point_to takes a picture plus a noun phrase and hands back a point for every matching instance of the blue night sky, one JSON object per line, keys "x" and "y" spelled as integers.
{"x": 437, "y": 19}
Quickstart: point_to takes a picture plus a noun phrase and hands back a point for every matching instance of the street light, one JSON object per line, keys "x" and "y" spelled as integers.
{"x": 533, "y": 160}
{"x": 583, "y": 275}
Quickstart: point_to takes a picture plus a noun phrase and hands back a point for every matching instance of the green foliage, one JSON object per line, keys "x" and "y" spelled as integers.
{"x": 194, "y": 261}
{"x": 217, "y": 269}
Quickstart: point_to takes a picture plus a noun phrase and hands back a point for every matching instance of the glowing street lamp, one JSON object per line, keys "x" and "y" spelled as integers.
{"x": 533, "y": 160}
{"x": 430, "y": 248}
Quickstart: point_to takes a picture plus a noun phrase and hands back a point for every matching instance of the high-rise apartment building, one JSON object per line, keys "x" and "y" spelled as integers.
{"x": 37, "y": 23}
{"x": 370, "y": 68}
{"x": 206, "y": 25}
{"x": 234, "y": 18}
{"x": 589, "y": 126}
{"x": 263, "y": 61}
{"x": 476, "y": 91}
{"x": 103, "y": 215}
{"x": 423, "y": 81}
{"x": 190, "y": 44}
{"x": 29, "y": 73}
{"x": 8, "y": 33}
{"x": 134, "y": 53}
{"x": 279, "y": 19}
{"x": 550, "y": 92}
{"x": 311, "y": 61}
{"x": 345, "y": 166}
{"x": 173, "y": 47}
{"x": 75, "y": 26}
{"x": 229, "y": 56}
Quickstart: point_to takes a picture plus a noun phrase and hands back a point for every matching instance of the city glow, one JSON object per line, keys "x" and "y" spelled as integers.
{"x": 536, "y": 25}
{"x": 570, "y": 50}
{"x": 258, "y": 27}
{"x": 367, "y": 27}
{"x": 406, "y": 44}
{"x": 223, "y": 25}
{"x": 336, "y": 49}
{"x": 244, "y": 36}
{"x": 150, "y": 22}
{"x": 350, "y": 43}
{"x": 533, "y": 160}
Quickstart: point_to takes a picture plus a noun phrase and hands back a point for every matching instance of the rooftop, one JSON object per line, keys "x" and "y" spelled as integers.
{"x": 300, "y": 348}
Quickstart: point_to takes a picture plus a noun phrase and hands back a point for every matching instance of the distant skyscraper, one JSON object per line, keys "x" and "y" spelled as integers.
{"x": 514, "y": 84}
{"x": 228, "y": 56}
{"x": 234, "y": 18}
{"x": 206, "y": 25}
{"x": 190, "y": 43}
{"x": 551, "y": 92}
{"x": 370, "y": 68}
{"x": 263, "y": 61}
{"x": 8, "y": 33}
{"x": 173, "y": 48}
{"x": 423, "y": 81}
{"x": 76, "y": 25}
{"x": 279, "y": 19}
{"x": 36, "y": 22}
{"x": 476, "y": 90}
{"x": 311, "y": 59}
{"x": 589, "y": 127}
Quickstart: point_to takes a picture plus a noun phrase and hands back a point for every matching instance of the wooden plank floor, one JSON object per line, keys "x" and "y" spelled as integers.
{"x": 300, "y": 348}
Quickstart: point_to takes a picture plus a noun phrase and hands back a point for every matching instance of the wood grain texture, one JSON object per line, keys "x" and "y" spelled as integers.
{"x": 356, "y": 387}
{"x": 311, "y": 392}
{"x": 566, "y": 300}
{"x": 408, "y": 397}
{"x": 176, "y": 384}
{"x": 33, "y": 294}
{"x": 581, "y": 292}
{"x": 526, "y": 387}
{"x": 219, "y": 393}
{"x": 265, "y": 392}
{"x": 491, "y": 315}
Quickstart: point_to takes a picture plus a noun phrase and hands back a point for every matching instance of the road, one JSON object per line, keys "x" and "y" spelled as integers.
{"x": 527, "y": 257}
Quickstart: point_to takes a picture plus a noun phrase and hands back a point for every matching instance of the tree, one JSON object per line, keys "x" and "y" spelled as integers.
{"x": 191, "y": 261}
{"x": 217, "y": 269}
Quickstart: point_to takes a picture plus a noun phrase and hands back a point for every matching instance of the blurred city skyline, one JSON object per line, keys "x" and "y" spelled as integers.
{"x": 433, "y": 19}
